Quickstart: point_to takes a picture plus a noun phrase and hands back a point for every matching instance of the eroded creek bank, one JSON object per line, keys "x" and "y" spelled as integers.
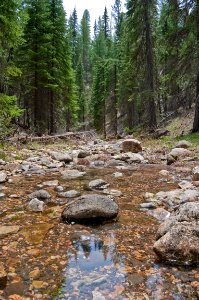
{"x": 45, "y": 258}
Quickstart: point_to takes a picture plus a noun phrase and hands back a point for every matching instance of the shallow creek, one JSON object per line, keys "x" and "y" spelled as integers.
{"x": 48, "y": 259}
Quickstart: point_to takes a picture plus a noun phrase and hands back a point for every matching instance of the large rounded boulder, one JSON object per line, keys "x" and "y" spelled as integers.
{"x": 178, "y": 237}
{"x": 91, "y": 208}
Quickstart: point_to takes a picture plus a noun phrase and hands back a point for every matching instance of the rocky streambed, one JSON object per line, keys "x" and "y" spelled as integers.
{"x": 47, "y": 256}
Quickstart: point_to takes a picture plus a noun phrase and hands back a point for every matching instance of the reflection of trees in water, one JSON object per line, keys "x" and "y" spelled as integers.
{"x": 106, "y": 248}
{"x": 87, "y": 248}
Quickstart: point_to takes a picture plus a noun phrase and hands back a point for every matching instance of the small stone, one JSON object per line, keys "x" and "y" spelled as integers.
{"x": 111, "y": 192}
{"x": 34, "y": 252}
{"x": 65, "y": 157}
{"x": 149, "y": 196}
{"x": 117, "y": 174}
{"x": 25, "y": 167}
{"x": 180, "y": 152}
{"x": 83, "y": 154}
{"x": 72, "y": 174}
{"x": 36, "y": 205}
{"x": 195, "y": 172}
{"x": 148, "y": 205}
{"x": 37, "y": 284}
{"x": 3, "y": 177}
{"x": 98, "y": 184}
{"x": 51, "y": 183}
{"x": 59, "y": 188}
{"x": 2, "y": 195}
{"x": 164, "y": 173}
{"x": 6, "y": 230}
{"x": 70, "y": 194}
{"x": 35, "y": 273}
{"x": 40, "y": 194}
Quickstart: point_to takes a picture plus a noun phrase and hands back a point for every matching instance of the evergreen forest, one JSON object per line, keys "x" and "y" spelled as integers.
{"x": 130, "y": 68}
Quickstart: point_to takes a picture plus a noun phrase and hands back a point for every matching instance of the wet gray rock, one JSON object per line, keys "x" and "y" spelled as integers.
{"x": 63, "y": 157}
{"x": 41, "y": 195}
{"x": 178, "y": 237}
{"x": 72, "y": 174}
{"x": 70, "y": 194}
{"x": 131, "y": 145}
{"x": 98, "y": 184}
{"x": 91, "y": 208}
{"x": 159, "y": 213}
{"x": 36, "y": 205}
{"x": 195, "y": 173}
{"x": 3, "y": 177}
{"x": 183, "y": 144}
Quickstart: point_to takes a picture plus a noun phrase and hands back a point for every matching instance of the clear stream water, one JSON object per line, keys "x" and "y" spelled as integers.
{"x": 110, "y": 261}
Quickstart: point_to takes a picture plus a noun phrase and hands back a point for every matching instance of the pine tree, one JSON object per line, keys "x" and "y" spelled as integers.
{"x": 138, "y": 66}
{"x": 11, "y": 25}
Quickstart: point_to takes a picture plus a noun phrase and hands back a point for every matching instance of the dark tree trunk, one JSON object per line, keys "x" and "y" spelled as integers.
{"x": 196, "y": 118}
{"x": 151, "y": 109}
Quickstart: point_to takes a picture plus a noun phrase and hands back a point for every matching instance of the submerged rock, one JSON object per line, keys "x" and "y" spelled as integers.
{"x": 91, "y": 208}
{"x": 178, "y": 237}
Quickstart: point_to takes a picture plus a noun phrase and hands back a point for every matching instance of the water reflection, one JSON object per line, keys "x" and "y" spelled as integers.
{"x": 93, "y": 269}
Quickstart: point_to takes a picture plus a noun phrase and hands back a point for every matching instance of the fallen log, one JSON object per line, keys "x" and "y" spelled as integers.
{"x": 24, "y": 138}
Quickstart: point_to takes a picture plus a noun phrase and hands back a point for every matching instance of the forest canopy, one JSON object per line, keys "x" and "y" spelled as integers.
{"x": 135, "y": 69}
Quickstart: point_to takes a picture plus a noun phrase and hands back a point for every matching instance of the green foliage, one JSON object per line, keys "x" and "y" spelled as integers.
{"x": 8, "y": 111}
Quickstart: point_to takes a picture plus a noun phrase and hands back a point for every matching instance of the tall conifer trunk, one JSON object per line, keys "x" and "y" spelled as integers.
{"x": 151, "y": 111}
{"x": 196, "y": 118}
